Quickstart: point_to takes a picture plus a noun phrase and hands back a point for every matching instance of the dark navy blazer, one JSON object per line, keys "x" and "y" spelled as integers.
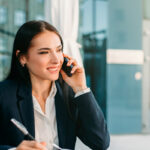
{"x": 85, "y": 119}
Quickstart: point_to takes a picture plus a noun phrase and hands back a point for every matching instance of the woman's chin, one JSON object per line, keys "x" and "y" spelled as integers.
{"x": 54, "y": 77}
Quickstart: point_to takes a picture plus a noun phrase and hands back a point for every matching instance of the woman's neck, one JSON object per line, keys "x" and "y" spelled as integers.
{"x": 41, "y": 88}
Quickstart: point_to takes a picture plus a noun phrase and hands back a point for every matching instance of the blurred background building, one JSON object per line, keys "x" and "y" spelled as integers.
{"x": 115, "y": 39}
{"x": 13, "y": 13}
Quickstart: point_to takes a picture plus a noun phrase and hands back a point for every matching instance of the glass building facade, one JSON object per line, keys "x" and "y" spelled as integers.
{"x": 93, "y": 37}
{"x": 122, "y": 90}
{"x": 13, "y": 13}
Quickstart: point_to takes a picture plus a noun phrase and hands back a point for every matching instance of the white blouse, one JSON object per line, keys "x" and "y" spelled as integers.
{"x": 45, "y": 123}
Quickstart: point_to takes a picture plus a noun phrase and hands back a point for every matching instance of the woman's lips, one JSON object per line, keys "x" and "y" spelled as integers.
{"x": 53, "y": 69}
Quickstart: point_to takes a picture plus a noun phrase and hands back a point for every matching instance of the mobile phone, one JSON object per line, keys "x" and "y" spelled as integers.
{"x": 65, "y": 68}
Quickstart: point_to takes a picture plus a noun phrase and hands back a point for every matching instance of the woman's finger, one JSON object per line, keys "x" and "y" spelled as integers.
{"x": 43, "y": 143}
{"x": 24, "y": 147}
{"x": 31, "y": 145}
{"x": 72, "y": 62}
{"x": 37, "y": 145}
{"x": 76, "y": 68}
{"x": 65, "y": 55}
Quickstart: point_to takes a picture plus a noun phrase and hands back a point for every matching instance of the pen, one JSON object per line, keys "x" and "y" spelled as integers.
{"x": 22, "y": 128}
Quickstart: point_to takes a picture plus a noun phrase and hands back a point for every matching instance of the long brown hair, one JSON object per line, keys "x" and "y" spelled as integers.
{"x": 22, "y": 43}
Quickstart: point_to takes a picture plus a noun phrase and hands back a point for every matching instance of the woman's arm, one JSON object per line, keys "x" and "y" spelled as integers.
{"x": 91, "y": 125}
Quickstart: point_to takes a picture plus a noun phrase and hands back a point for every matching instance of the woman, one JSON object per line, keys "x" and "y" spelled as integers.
{"x": 53, "y": 107}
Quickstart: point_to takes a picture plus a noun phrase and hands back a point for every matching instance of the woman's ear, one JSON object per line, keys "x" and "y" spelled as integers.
{"x": 17, "y": 52}
{"x": 21, "y": 58}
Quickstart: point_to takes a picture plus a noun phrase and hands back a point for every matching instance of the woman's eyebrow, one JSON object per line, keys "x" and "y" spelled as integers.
{"x": 44, "y": 48}
{"x": 60, "y": 46}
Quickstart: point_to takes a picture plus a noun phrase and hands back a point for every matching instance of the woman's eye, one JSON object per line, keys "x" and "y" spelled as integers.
{"x": 44, "y": 52}
{"x": 59, "y": 50}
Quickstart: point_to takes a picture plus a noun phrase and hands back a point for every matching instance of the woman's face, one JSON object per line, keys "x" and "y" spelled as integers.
{"x": 44, "y": 58}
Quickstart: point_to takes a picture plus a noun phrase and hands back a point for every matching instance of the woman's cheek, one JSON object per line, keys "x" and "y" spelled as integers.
{"x": 61, "y": 59}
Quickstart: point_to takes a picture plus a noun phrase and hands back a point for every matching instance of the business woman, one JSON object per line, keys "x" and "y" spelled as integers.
{"x": 54, "y": 107}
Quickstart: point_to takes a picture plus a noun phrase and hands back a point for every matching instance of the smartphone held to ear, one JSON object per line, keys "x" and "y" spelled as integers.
{"x": 65, "y": 68}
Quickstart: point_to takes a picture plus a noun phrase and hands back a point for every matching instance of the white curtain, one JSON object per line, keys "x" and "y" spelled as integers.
{"x": 64, "y": 15}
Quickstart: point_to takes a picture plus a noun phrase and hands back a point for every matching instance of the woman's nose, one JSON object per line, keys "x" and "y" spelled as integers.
{"x": 54, "y": 58}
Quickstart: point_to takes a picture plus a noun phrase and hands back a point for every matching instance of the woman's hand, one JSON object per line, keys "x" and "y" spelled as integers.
{"x": 77, "y": 81}
{"x": 31, "y": 145}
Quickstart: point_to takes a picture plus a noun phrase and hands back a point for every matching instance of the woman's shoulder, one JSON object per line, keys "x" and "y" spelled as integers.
{"x": 7, "y": 84}
{"x": 8, "y": 89}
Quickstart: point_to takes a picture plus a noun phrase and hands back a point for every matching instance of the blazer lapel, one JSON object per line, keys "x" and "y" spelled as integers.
{"x": 25, "y": 106}
{"x": 61, "y": 116}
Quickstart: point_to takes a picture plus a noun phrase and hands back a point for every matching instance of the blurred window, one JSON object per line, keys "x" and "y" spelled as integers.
{"x": 2, "y": 44}
{"x": 39, "y": 17}
{"x": 40, "y": 1}
{"x": 146, "y": 10}
{"x": 19, "y": 17}
{"x": 3, "y": 15}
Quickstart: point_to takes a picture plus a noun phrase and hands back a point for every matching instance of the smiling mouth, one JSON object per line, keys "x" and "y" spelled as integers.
{"x": 53, "y": 69}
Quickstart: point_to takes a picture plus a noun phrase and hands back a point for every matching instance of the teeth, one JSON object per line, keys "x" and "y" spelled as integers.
{"x": 53, "y": 69}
